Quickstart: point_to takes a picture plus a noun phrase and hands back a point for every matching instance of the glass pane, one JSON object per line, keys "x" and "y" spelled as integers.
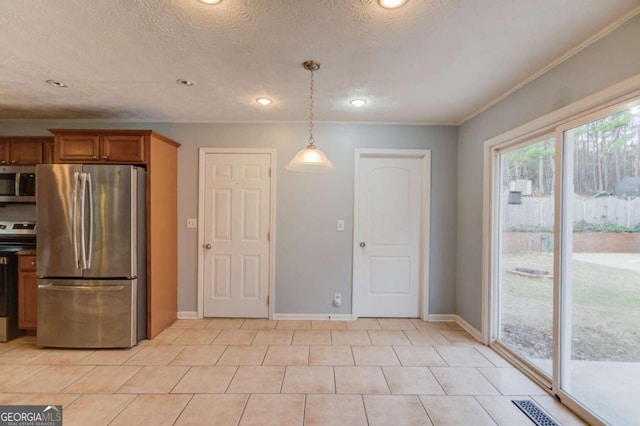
{"x": 600, "y": 350}
{"x": 525, "y": 255}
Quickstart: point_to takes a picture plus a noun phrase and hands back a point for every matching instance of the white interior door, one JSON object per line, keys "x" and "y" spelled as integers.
{"x": 388, "y": 237}
{"x": 236, "y": 235}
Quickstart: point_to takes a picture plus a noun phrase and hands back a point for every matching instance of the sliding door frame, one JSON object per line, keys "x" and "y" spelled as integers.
{"x": 620, "y": 96}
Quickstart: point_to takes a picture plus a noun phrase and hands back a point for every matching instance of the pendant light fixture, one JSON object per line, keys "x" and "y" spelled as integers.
{"x": 310, "y": 159}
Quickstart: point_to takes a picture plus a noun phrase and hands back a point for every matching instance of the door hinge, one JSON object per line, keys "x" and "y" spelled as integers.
{"x": 267, "y": 299}
{"x": 268, "y": 236}
{"x": 269, "y": 171}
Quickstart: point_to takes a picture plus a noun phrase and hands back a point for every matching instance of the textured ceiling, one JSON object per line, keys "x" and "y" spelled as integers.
{"x": 431, "y": 61}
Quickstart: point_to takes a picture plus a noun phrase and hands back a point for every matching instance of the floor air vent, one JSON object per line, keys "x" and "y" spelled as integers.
{"x": 535, "y": 413}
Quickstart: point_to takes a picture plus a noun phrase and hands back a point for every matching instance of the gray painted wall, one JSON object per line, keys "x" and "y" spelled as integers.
{"x": 606, "y": 62}
{"x": 313, "y": 260}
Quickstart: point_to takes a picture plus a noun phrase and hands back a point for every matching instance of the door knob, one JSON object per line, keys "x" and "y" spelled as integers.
{"x": 207, "y": 246}
{"x": 362, "y": 244}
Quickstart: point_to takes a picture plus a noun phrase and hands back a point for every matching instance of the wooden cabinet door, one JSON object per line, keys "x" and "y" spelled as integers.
{"x": 23, "y": 153}
{"x": 77, "y": 148}
{"x": 47, "y": 153}
{"x": 27, "y": 293}
{"x": 123, "y": 148}
{"x": 4, "y": 152}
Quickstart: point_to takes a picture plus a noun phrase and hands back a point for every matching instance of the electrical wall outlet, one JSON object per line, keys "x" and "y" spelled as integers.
{"x": 192, "y": 222}
{"x": 340, "y": 225}
{"x": 337, "y": 299}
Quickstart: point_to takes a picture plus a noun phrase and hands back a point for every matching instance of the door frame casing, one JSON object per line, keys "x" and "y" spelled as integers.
{"x": 203, "y": 151}
{"x": 424, "y": 155}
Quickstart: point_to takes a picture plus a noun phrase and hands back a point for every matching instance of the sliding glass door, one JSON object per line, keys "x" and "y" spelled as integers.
{"x": 600, "y": 285}
{"x": 526, "y": 255}
{"x": 565, "y": 261}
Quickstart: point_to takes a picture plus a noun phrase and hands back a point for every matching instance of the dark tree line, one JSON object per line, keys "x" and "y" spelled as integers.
{"x": 605, "y": 152}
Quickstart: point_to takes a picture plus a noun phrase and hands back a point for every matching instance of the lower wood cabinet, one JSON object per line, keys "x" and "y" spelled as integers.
{"x": 27, "y": 292}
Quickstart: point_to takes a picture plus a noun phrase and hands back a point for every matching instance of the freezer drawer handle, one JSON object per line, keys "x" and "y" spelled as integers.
{"x": 81, "y": 287}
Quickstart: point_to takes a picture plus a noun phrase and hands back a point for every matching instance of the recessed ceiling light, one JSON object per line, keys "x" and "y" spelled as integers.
{"x": 391, "y": 4}
{"x": 210, "y": 1}
{"x": 358, "y": 102}
{"x": 55, "y": 83}
{"x": 186, "y": 82}
{"x": 264, "y": 101}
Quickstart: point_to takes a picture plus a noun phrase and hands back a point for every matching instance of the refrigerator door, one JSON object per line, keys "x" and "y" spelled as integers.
{"x": 56, "y": 216}
{"x": 109, "y": 229}
{"x": 87, "y": 313}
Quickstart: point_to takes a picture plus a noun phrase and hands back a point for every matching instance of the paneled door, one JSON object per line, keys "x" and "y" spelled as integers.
{"x": 387, "y": 270}
{"x": 236, "y": 235}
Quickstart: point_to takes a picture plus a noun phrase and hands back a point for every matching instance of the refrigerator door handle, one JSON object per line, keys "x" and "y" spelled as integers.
{"x": 88, "y": 183}
{"x": 83, "y": 245}
{"x": 74, "y": 218}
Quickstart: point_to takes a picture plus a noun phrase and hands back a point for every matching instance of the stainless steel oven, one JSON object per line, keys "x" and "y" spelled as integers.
{"x": 18, "y": 184}
{"x": 14, "y": 237}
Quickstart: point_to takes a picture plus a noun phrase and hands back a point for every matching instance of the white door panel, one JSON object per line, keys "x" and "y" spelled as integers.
{"x": 236, "y": 268}
{"x": 387, "y": 260}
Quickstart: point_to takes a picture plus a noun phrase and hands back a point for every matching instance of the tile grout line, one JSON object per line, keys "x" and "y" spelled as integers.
{"x": 244, "y": 408}
{"x": 475, "y": 398}
{"x": 438, "y": 380}
{"x": 304, "y": 409}
{"x": 226, "y": 389}
{"x": 123, "y": 408}
{"x": 183, "y": 408}
{"x": 364, "y": 407}
{"x": 489, "y": 381}
{"x": 179, "y": 380}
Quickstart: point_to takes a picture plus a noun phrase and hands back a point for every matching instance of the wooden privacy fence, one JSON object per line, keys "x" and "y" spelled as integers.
{"x": 538, "y": 212}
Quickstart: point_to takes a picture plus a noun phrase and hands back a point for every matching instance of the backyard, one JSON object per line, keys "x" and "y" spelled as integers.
{"x": 605, "y": 303}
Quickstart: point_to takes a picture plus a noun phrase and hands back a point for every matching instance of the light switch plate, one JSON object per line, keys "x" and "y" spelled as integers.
{"x": 340, "y": 225}
{"x": 192, "y": 222}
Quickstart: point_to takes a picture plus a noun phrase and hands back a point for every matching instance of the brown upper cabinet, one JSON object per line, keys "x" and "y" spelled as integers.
{"x": 115, "y": 146}
{"x": 20, "y": 151}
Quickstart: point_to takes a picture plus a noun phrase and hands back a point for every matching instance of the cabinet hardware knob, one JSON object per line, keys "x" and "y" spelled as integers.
{"x": 13, "y": 161}
{"x": 4, "y": 162}
{"x": 106, "y": 157}
{"x": 33, "y": 263}
{"x": 362, "y": 244}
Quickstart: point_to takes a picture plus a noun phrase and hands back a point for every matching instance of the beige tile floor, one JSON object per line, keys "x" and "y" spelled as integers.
{"x": 260, "y": 372}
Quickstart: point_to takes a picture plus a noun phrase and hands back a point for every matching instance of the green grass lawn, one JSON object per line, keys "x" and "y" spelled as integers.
{"x": 605, "y": 304}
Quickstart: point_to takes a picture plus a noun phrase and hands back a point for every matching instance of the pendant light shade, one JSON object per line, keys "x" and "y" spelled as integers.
{"x": 310, "y": 159}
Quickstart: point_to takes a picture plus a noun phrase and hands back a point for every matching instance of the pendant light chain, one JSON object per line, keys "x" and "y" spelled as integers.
{"x": 310, "y": 159}
{"x": 311, "y": 140}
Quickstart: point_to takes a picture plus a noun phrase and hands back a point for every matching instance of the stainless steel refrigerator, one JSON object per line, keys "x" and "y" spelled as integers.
{"x": 91, "y": 255}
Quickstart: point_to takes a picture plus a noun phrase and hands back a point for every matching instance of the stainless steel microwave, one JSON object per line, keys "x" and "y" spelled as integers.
{"x": 18, "y": 184}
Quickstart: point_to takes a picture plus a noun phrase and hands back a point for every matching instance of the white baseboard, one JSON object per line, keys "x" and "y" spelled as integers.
{"x": 469, "y": 328}
{"x": 336, "y": 317}
{"x": 443, "y": 318}
{"x": 187, "y": 315}
{"x": 458, "y": 320}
